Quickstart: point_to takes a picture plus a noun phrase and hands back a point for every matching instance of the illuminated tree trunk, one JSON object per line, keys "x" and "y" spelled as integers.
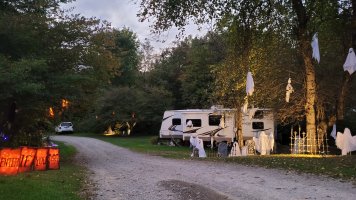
{"x": 304, "y": 40}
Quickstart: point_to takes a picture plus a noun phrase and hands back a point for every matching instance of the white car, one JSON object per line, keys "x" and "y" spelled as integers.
{"x": 64, "y": 127}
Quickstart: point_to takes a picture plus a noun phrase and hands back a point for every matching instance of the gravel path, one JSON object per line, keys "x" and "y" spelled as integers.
{"x": 121, "y": 174}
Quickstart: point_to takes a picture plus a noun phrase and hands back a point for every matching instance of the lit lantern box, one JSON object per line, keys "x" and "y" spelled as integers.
{"x": 9, "y": 161}
{"x": 41, "y": 159}
{"x": 27, "y": 157}
{"x": 53, "y": 158}
{"x": 24, "y": 159}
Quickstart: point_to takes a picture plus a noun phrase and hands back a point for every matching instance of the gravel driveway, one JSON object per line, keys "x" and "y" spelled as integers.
{"x": 121, "y": 174}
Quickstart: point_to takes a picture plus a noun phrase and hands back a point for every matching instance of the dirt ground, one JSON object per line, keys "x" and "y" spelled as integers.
{"x": 117, "y": 173}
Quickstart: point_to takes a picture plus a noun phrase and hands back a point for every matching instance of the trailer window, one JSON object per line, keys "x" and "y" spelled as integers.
{"x": 258, "y": 114}
{"x": 258, "y": 125}
{"x": 196, "y": 122}
{"x": 176, "y": 121}
{"x": 214, "y": 120}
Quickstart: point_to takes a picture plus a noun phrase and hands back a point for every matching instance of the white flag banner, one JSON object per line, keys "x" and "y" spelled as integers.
{"x": 315, "y": 46}
{"x": 250, "y": 86}
{"x": 350, "y": 63}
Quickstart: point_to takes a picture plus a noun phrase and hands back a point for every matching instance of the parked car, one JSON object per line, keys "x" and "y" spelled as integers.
{"x": 64, "y": 127}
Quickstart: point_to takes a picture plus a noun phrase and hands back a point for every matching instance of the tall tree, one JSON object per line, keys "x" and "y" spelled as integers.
{"x": 127, "y": 51}
{"x": 295, "y": 20}
{"x": 47, "y": 56}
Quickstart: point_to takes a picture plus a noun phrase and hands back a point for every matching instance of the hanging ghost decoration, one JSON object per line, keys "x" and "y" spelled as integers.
{"x": 333, "y": 132}
{"x": 350, "y": 63}
{"x": 289, "y": 89}
{"x": 250, "y": 86}
{"x": 315, "y": 46}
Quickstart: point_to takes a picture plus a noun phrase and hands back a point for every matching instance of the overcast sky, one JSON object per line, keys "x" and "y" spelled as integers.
{"x": 122, "y": 13}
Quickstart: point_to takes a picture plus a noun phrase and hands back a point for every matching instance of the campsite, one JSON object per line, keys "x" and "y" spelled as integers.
{"x": 146, "y": 99}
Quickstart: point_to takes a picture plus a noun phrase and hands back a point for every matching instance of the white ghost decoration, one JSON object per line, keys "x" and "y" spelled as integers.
{"x": 315, "y": 46}
{"x": 350, "y": 63}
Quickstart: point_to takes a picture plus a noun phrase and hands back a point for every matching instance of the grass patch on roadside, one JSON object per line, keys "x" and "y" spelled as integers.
{"x": 343, "y": 167}
{"x": 334, "y": 166}
{"x": 61, "y": 184}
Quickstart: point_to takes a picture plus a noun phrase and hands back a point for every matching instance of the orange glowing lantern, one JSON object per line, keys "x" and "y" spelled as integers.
{"x": 27, "y": 158}
{"x": 53, "y": 158}
{"x": 51, "y": 112}
{"x": 41, "y": 159}
{"x": 65, "y": 103}
{"x": 9, "y": 161}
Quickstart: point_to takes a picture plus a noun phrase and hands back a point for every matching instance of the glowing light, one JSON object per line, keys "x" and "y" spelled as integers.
{"x": 51, "y": 112}
{"x": 65, "y": 103}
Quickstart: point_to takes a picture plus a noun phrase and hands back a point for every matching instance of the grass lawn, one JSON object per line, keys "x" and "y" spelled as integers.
{"x": 334, "y": 166}
{"x": 52, "y": 184}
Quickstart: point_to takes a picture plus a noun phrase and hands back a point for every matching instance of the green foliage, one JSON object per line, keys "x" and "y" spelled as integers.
{"x": 46, "y": 56}
{"x": 185, "y": 71}
{"x": 117, "y": 104}
{"x": 126, "y": 50}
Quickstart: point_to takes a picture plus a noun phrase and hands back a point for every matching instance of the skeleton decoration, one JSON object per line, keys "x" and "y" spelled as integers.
{"x": 244, "y": 108}
{"x": 315, "y": 46}
{"x": 289, "y": 89}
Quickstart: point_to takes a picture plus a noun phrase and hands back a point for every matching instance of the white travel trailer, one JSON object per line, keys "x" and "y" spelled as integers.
{"x": 215, "y": 124}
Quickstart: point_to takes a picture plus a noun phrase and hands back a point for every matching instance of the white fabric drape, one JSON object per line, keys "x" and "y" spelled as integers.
{"x": 315, "y": 46}
{"x": 350, "y": 63}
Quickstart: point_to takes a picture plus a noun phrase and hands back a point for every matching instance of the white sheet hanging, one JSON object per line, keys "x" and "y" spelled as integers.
{"x": 250, "y": 86}
{"x": 315, "y": 46}
{"x": 350, "y": 63}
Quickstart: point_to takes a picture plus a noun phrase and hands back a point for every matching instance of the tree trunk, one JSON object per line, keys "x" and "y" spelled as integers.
{"x": 304, "y": 40}
{"x": 340, "y": 104}
{"x": 340, "y": 108}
